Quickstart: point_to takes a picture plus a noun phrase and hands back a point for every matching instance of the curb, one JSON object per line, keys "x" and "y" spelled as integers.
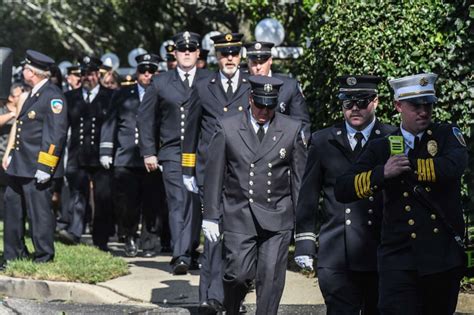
{"x": 465, "y": 303}
{"x": 62, "y": 291}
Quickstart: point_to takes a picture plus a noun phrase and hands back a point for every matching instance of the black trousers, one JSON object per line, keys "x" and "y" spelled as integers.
{"x": 262, "y": 257}
{"x": 103, "y": 219}
{"x": 349, "y": 292}
{"x": 210, "y": 277}
{"x": 406, "y": 292}
{"x": 141, "y": 194}
{"x": 184, "y": 213}
{"x": 24, "y": 198}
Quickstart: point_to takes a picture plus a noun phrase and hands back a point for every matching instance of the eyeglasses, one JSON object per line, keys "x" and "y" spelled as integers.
{"x": 226, "y": 54}
{"x": 362, "y": 103}
{"x": 147, "y": 68}
{"x": 184, "y": 49}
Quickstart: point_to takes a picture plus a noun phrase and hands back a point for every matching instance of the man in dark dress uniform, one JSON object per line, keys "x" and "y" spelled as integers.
{"x": 87, "y": 111}
{"x": 135, "y": 188}
{"x": 418, "y": 168}
{"x": 161, "y": 123}
{"x": 223, "y": 94}
{"x": 290, "y": 98}
{"x": 252, "y": 179}
{"x": 35, "y": 161}
{"x": 350, "y": 232}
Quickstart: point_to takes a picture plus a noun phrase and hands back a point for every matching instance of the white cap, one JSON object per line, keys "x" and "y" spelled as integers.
{"x": 417, "y": 88}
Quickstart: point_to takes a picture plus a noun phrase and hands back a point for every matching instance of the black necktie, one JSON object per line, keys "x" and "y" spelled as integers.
{"x": 229, "y": 92}
{"x": 416, "y": 142}
{"x": 359, "y": 137}
{"x": 186, "y": 80}
{"x": 260, "y": 132}
{"x": 88, "y": 98}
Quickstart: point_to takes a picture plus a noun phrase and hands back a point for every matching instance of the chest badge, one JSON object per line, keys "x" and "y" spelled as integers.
{"x": 282, "y": 153}
{"x": 31, "y": 114}
{"x": 432, "y": 147}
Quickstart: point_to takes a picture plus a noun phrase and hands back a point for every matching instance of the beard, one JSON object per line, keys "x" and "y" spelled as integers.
{"x": 230, "y": 71}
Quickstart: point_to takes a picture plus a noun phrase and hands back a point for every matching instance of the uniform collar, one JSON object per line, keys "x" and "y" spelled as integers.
{"x": 365, "y": 132}
{"x": 410, "y": 138}
{"x": 38, "y": 86}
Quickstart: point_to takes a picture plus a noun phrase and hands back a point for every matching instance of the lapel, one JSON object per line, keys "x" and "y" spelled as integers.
{"x": 30, "y": 101}
{"x": 272, "y": 137}
{"x": 241, "y": 88}
{"x": 247, "y": 133}
{"x": 339, "y": 139}
{"x": 215, "y": 88}
{"x": 178, "y": 84}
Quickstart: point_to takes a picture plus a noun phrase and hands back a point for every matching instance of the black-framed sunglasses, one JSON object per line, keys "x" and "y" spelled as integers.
{"x": 226, "y": 54}
{"x": 362, "y": 103}
{"x": 148, "y": 68}
{"x": 184, "y": 49}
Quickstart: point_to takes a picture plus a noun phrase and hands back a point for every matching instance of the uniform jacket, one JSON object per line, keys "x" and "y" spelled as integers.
{"x": 119, "y": 135}
{"x": 413, "y": 237}
{"x": 350, "y": 232}
{"x": 207, "y": 103}
{"x": 86, "y": 122}
{"x": 40, "y": 134}
{"x": 163, "y": 111}
{"x": 252, "y": 179}
{"x": 291, "y": 102}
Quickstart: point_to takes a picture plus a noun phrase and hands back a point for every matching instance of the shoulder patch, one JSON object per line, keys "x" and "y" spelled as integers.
{"x": 458, "y": 134}
{"x": 57, "y": 105}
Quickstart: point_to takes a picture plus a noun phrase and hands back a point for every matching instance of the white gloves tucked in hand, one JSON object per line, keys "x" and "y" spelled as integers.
{"x": 106, "y": 161}
{"x": 42, "y": 177}
{"x": 210, "y": 229}
{"x": 305, "y": 262}
{"x": 190, "y": 183}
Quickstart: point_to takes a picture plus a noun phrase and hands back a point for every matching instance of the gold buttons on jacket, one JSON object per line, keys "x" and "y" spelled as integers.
{"x": 411, "y": 222}
{"x": 407, "y": 208}
{"x": 433, "y": 217}
{"x": 405, "y": 194}
{"x": 413, "y": 235}
{"x": 225, "y": 109}
{"x": 241, "y": 108}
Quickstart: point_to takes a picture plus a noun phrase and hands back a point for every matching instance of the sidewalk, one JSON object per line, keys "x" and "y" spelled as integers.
{"x": 151, "y": 282}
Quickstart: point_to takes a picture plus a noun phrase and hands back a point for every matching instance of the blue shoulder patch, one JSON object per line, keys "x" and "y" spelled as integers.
{"x": 458, "y": 134}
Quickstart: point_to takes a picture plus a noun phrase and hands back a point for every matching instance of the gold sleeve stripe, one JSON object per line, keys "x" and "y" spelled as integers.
{"x": 359, "y": 184}
{"x": 433, "y": 174}
{"x": 51, "y": 148}
{"x": 363, "y": 184}
{"x": 188, "y": 160}
{"x": 428, "y": 170}
{"x": 420, "y": 178}
{"x": 48, "y": 159}
{"x": 356, "y": 186}
{"x": 368, "y": 192}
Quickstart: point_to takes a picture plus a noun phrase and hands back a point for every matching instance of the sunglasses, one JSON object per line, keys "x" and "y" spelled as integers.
{"x": 362, "y": 103}
{"x": 184, "y": 49}
{"x": 226, "y": 54}
{"x": 148, "y": 68}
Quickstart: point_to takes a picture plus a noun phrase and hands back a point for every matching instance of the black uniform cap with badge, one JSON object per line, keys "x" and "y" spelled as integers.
{"x": 264, "y": 91}
{"x": 260, "y": 51}
{"x": 74, "y": 70}
{"x": 358, "y": 90}
{"x": 187, "y": 41}
{"x": 37, "y": 60}
{"x": 90, "y": 64}
{"x": 228, "y": 44}
{"x": 147, "y": 62}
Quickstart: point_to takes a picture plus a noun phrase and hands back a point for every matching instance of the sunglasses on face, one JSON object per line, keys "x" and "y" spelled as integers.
{"x": 145, "y": 69}
{"x": 226, "y": 54}
{"x": 362, "y": 103}
{"x": 184, "y": 49}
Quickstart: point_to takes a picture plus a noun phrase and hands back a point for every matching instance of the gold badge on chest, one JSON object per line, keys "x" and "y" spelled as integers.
{"x": 432, "y": 147}
{"x": 31, "y": 114}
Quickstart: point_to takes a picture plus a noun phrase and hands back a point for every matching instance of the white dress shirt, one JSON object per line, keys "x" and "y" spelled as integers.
{"x": 38, "y": 86}
{"x": 234, "y": 79}
{"x": 93, "y": 93}
{"x": 141, "y": 91}
{"x": 409, "y": 139}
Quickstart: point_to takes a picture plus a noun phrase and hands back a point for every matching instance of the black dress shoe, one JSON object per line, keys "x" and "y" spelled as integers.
{"x": 67, "y": 238}
{"x": 180, "y": 267}
{"x": 195, "y": 265}
{"x": 131, "y": 248}
{"x": 149, "y": 253}
{"x": 215, "y": 306}
{"x": 242, "y": 309}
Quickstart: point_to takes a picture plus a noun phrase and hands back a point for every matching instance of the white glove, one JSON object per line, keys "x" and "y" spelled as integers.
{"x": 42, "y": 177}
{"x": 211, "y": 230}
{"x": 190, "y": 183}
{"x": 160, "y": 167}
{"x": 151, "y": 163}
{"x": 305, "y": 262}
{"x": 106, "y": 161}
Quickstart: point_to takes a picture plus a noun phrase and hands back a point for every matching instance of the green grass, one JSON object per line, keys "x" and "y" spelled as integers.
{"x": 80, "y": 263}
